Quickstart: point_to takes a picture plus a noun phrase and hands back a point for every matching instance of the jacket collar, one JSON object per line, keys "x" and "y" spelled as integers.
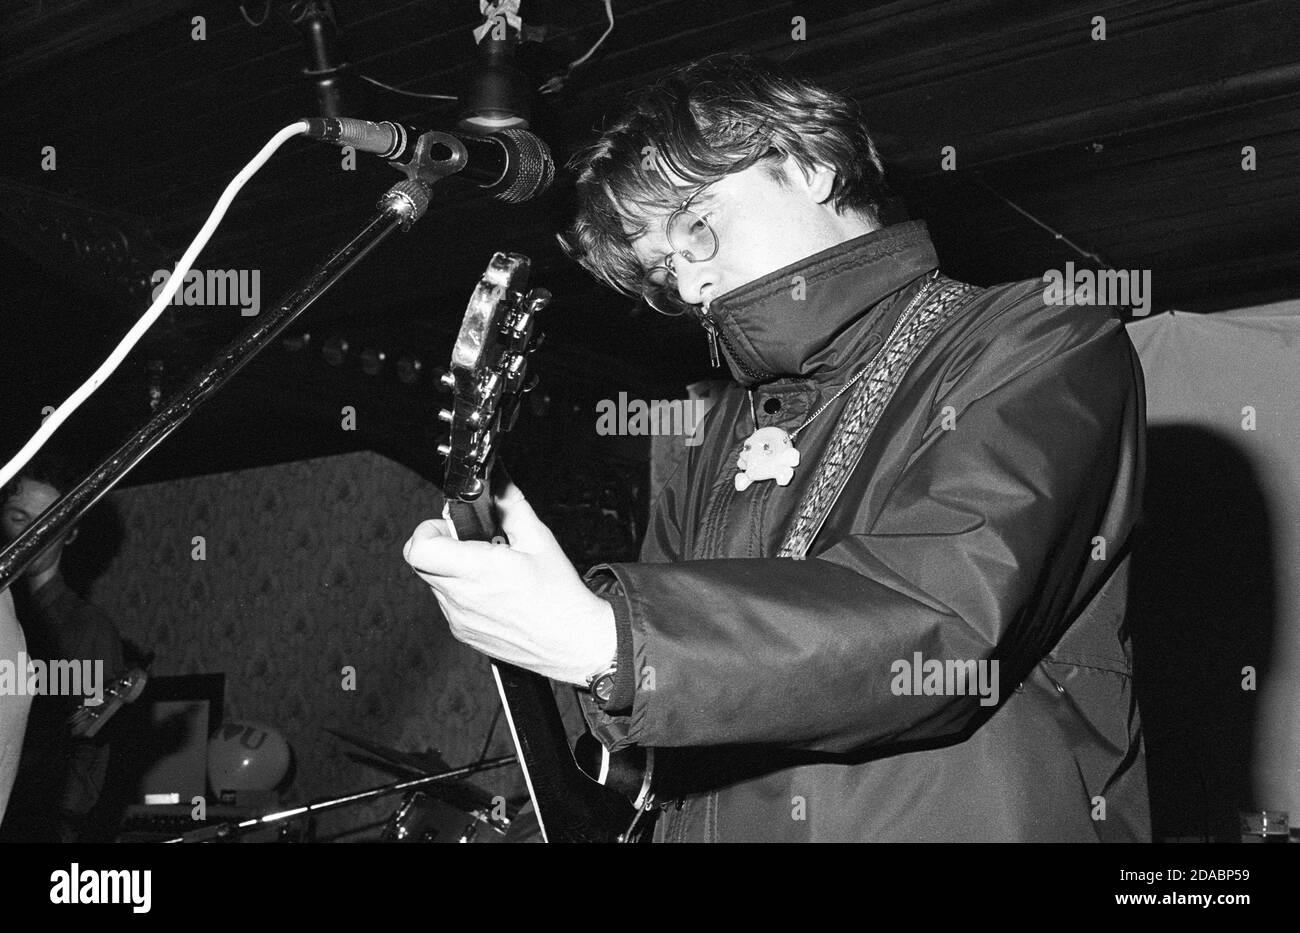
{"x": 816, "y": 316}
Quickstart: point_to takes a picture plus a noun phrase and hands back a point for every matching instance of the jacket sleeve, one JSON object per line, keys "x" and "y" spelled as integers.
{"x": 662, "y": 543}
{"x": 976, "y": 554}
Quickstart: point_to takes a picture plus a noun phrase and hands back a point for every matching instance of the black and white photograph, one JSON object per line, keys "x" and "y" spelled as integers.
{"x": 650, "y": 421}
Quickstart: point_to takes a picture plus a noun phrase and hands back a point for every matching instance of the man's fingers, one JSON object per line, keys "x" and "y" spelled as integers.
{"x": 509, "y": 493}
{"x": 520, "y": 523}
{"x": 433, "y": 528}
{"x": 432, "y": 549}
{"x": 430, "y": 528}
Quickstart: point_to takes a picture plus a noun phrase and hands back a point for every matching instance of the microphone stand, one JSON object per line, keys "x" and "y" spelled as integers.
{"x": 230, "y": 830}
{"x": 401, "y": 206}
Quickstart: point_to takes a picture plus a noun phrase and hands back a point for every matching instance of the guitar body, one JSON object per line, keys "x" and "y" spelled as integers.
{"x": 488, "y": 376}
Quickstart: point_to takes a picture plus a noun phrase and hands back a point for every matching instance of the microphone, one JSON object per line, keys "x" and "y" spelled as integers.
{"x": 513, "y": 165}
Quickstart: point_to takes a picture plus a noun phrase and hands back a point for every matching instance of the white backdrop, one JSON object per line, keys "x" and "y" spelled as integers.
{"x": 1211, "y": 374}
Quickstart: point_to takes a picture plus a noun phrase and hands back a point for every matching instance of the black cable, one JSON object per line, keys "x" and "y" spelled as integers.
{"x": 1056, "y": 235}
{"x": 398, "y": 90}
{"x": 492, "y": 730}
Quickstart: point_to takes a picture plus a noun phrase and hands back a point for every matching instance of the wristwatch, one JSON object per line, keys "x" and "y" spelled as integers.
{"x": 601, "y": 685}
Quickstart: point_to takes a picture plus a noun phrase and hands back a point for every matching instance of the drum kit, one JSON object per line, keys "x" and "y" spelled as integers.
{"x": 423, "y": 817}
{"x": 437, "y": 804}
{"x": 446, "y": 811}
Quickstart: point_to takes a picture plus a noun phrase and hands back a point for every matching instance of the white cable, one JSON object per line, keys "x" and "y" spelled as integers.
{"x": 609, "y": 12}
{"x": 174, "y": 282}
{"x": 554, "y": 84}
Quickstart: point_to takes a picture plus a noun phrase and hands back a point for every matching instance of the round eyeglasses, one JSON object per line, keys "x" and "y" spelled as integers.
{"x": 691, "y": 238}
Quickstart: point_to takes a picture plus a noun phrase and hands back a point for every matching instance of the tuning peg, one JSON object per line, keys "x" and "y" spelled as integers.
{"x": 445, "y": 414}
{"x": 520, "y": 323}
{"x": 446, "y": 379}
{"x": 537, "y": 299}
{"x": 444, "y": 450}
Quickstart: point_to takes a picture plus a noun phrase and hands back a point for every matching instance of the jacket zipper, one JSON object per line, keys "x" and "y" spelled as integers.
{"x": 715, "y": 334}
{"x": 711, "y": 329}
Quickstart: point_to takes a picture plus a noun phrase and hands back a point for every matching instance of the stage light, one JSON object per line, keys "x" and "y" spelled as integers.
{"x": 372, "y": 361}
{"x": 295, "y": 342}
{"x": 335, "y": 351}
{"x": 409, "y": 369}
{"x": 497, "y": 97}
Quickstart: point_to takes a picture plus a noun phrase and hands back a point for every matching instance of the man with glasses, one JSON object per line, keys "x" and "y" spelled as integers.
{"x": 914, "y": 628}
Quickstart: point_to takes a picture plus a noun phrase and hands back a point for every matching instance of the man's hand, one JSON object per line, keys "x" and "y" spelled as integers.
{"x": 521, "y": 603}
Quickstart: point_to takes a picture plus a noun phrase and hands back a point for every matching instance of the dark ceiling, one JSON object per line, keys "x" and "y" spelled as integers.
{"x": 1129, "y": 148}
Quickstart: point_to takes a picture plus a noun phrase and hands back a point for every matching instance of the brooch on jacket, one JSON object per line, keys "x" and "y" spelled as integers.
{"x": 769, "y": 453}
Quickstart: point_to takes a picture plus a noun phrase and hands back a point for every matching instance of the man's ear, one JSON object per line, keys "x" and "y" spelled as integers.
{"x": 821, "y": 179}
{"x": 817, "y": 179}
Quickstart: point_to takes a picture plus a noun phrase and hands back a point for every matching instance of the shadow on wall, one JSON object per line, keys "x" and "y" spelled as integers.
{"x": 1202, "y": 610}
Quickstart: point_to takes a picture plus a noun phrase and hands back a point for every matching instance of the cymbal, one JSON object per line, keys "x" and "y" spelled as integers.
{"x": 426, "y": 762}
{"x": 460, "y": 793}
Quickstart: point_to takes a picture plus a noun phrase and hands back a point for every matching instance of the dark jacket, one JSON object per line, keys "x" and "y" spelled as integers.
{"x": 988, "y": 519}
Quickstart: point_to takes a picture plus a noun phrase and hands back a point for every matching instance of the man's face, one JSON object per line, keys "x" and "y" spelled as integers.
{"x": 761, "y": 226}
{"x": 31, "y": 499}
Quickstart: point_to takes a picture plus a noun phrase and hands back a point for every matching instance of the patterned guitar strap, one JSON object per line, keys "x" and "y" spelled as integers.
{"x": 937, "y": 303}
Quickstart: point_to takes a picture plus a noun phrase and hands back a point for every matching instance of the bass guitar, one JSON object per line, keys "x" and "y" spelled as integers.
{"x": 88, "y": 720}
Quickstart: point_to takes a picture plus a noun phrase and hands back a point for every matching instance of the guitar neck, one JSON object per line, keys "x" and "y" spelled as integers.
{"x": 488, "y": 376}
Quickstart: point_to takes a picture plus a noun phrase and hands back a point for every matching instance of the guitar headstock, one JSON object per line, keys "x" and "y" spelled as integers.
{"x": 489, "y": 372}
{"x": 88, "y": 720}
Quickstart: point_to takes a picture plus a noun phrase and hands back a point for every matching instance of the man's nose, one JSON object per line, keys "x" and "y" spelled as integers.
{"x": 697, "y": 282}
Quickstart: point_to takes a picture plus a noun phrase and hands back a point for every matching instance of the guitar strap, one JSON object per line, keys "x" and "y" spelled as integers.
{"x": 921, "y": 321}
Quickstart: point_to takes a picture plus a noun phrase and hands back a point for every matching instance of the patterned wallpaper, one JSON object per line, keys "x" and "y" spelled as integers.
{"x": 304, "y": 575}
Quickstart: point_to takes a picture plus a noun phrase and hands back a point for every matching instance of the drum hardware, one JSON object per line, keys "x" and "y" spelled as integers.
{"x": 230, "y": 831}
{"x": 424, "y": 817}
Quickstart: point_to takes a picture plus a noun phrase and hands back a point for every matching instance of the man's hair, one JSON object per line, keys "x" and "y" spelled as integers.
{"x": 46, "y": 467}
{"x": 710, "y": 119}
